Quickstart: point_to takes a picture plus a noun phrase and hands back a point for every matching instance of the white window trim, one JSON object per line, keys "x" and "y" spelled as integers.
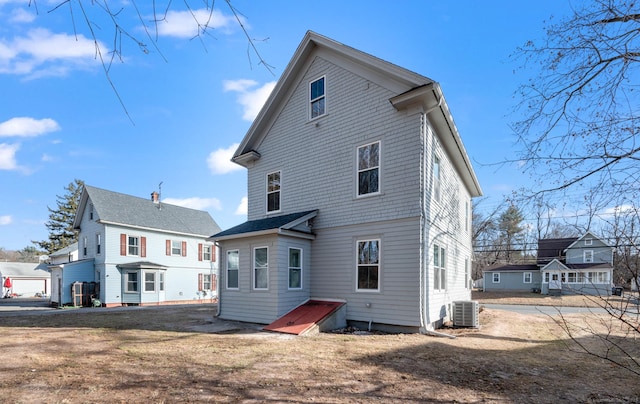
{"x": 588, "y": 241}
{"x": 227, "y": 270}
{"x": 524, "y": 277}
{"x": 253, "y": 268}
{"x": 437, "y": 179}
{"x": 442, "y": 270}
{"x": 301, "y": 270}
{"x": 266, "y": 199}
{"x": 310, "y": 105}
{"x": 205, "y": 252}
{"x": 126, "y": 282}
{"x": 138, "y": 246}
{"x": 584, "y": 256}
{"x": 144, "y": 282}
{"x": 179, "y": 253}
{"x": 98, "y": 244}
{"x": 379, "y": 288}
{"x": 379, "y": 166}
{"x": 494, "y": 278}
{"x": 161, "y": 284}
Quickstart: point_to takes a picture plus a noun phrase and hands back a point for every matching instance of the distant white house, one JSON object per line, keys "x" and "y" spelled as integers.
{"x": 136, "y": 251}
{"x": 27, "y": 279}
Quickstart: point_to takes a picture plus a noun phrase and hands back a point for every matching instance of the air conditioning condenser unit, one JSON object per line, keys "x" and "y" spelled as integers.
{"x": 466, "y": 313}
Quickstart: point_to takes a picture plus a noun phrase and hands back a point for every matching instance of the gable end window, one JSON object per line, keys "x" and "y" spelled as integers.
{"x": 317, "y": 98}
{"x": 368, "y": 276}
{"x": 369, "y": 169}
{"x": 273, "y": 192}
{"x": 588, "y": 241}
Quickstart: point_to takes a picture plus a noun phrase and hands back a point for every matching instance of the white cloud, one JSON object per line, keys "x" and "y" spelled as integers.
{"x": 27, "y": 127}
{"x": 195, "y": 203}
{"x": 251, "y": 99}
{"x": 242, "y": 208}
{"x": 219, "y": 161}
{"x": 5, "y": 220}
{"x": 188, "y": 24}
{"x": 42, "y": 53}
{"x": 8, "y": 156}
{"x": 47, "y": 158}
{"x": 20, "y": 15}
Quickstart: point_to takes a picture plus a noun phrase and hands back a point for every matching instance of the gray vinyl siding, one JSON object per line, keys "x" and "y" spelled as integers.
{"x": 317, "y": 158}
{"x": 512, "y": 281}
{"x": 334, "y": 271}
{"x": 262, "y": 306}
{"x": 601, "y": 253}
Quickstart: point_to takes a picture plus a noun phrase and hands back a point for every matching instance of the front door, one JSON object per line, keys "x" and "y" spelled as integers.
{"x": 554, "y": 280}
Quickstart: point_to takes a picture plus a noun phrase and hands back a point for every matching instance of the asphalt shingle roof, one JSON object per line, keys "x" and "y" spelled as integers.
{"x": 263, "y": 224}
{"x": 127, "y": 210}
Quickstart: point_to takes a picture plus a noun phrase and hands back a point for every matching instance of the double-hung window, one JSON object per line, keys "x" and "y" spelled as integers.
{"x": 149, "y": 281}
{"x": 206, "y": 252}
{"x": 260, "y": 268}
{"x": 84, "y": 246}
{"x": 131, "y": 279}
{"x": 273, "y": 192}
{"x": 295, "y": 268}
{"x": 133, "y": 245}
{"x": 439, "y": 268}
{"x": 526, "y": 277}
{"x": 98, "y": 243}
{"x": 317, "y": 98}
{"x": 369, "y": 168}
{"x": 176, "y": 247}
{"x": 496, "y": 277}
{"x": 232, "y": 269}
{"x": 368, "y": 276}
{"x": 588, "y": 256}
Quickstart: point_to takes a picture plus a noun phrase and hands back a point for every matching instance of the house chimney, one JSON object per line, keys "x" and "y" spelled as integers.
{"x": 154, "y": 197}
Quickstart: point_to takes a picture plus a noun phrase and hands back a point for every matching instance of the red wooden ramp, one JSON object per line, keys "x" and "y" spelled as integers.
{"x": 304, "y": 317}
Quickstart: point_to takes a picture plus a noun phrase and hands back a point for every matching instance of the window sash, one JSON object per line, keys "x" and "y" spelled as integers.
{"x": 369, "y": 168}
{"x": 436, "y": 177}
{"x": 588, "y": 256}
{"x": 526, "y": 277}
{"x": 232, "y": 269}
{"x": 368, "y": 265}
{"x": 149, "y": 281}
{"x": 206, "y": 281}
{"x": 295, "y": 268}
{"x": 496, "y": 278}
{"x": 273, "y": 191}
{"x": 131, "y": 279}
{"x": 133, "y": 244}
{"x": 317, "y": 98}
{"x": 261, "y": 268}
{"x": 176, "y": 247}
{"x": 206, "y": 252}
{"x": 161, "y": 281}
{"x": 439, "y": 268}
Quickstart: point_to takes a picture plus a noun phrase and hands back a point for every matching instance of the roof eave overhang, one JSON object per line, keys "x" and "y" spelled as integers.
{"x": 278, "y": 232}
{"x": 246, "y": 159}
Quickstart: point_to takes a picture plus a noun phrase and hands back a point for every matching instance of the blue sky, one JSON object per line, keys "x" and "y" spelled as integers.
{"x": 61, "y": 120}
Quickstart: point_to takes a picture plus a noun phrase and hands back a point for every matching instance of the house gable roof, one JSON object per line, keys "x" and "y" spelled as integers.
{"x": 131, "y": 211}
{"x": 513, "y": 268}
{"x": 275, "y": 224}
{"x": 63, "y": 252}
{"x": 587, "y": 235}
{"x": 553, "y": 248}
{"x": 413, "y": 91}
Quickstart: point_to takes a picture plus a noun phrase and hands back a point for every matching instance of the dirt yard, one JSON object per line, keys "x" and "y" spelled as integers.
{"x": 182, "y": 354}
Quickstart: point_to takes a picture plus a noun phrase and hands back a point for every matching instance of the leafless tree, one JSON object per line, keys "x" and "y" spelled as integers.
{"x": 580, "y": 108}
{"x": 137, "y": 23}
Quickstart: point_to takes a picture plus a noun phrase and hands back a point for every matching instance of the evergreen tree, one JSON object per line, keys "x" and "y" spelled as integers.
{"x": 60, "y": 224}
{"x": 511, "y": 232}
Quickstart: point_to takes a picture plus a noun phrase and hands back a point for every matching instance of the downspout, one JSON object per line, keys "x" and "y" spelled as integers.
{"x": 424, "y": 212}
{"x": 218, "y": 280}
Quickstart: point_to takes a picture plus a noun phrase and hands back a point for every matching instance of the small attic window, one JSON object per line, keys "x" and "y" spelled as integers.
{"x": 317, "y": 98}
{"x": 588, "y": 241}
{"x": 90, "y": 211}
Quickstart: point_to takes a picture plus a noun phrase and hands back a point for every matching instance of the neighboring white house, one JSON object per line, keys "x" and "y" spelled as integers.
{"x": 359, "y": 190}
{"x": 26, "y": 279}
{"x": 564, "y": 265}
{"x": 137, "y": 251}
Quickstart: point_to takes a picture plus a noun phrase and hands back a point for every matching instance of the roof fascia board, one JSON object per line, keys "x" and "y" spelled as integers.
{"x": 299, "y": 220}
{"x": 582, "y": 238}
{"x": 555, "y": 260}
{"x": 80, "y": 209}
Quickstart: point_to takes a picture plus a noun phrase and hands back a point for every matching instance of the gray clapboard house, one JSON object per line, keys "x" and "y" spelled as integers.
{"x": 139, "y": 251}
{"x": 564, "y": 265}
{"x": 359, "y": 191}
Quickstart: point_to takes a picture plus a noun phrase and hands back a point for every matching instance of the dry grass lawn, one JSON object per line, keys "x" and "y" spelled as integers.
{"x": 172, "y": 355}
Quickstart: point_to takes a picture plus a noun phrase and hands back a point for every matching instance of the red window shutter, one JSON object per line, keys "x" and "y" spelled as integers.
{"x": 214, "y": 282}
{"x": 184, "y": 248}
{"x": 123, "y": 244}
{"x": 168, "y": 247}
{"x": 143, "y": 246}
{"x": 213, "y": 252}
{"x": 200, "y": 281}
{"x": 199, "y": 251}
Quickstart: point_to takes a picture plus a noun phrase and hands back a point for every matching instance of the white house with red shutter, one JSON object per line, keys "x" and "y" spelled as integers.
{"x": 139, "y": 251}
